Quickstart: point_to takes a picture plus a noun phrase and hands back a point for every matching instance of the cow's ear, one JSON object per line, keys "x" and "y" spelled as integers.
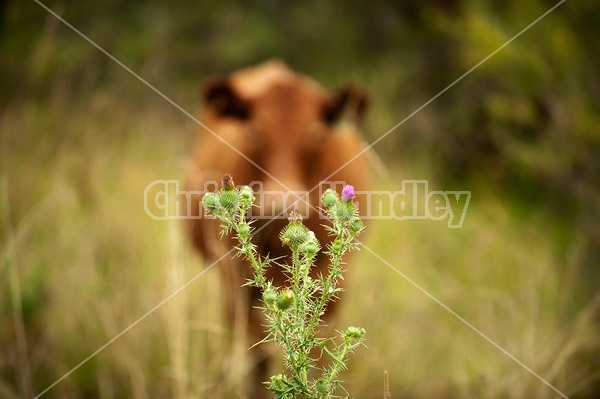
{"x": 220, "y": 95}
{"x": 347, "y": 104}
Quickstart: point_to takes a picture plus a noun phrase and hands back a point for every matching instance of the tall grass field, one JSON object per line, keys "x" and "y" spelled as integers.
{"x": 99, "y": 300}
{"x": 82, "y": 262}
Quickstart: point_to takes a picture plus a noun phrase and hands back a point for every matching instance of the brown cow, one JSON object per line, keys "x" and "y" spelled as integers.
{"x": 296, "y": 135}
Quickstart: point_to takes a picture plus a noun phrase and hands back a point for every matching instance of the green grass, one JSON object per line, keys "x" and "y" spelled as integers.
{"x": 89, "y": 262}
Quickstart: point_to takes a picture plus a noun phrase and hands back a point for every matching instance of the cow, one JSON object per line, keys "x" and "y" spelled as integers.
{"x": 272, "y": 126}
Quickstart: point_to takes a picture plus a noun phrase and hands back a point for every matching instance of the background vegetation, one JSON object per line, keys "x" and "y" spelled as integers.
{"x": 80, "y": 139}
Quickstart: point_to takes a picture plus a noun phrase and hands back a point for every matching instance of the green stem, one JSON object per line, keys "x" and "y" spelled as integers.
{"x": 330, "y": 283}
{"x": 250, "y": 252}
{"x": 341, "y": 359}
{"x": 299, "y": 317}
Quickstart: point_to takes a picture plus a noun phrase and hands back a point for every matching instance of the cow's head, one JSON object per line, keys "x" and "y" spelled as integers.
{"x": 284, "y": 122}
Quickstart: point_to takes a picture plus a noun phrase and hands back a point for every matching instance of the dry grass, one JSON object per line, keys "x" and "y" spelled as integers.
{"x": 503, "y": 276}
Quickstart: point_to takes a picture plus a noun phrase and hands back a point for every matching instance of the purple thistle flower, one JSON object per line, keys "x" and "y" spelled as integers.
{"x": 348, "y": 193}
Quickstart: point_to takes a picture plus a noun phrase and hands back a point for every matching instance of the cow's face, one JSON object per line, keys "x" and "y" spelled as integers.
{"x": 288, "y": 130}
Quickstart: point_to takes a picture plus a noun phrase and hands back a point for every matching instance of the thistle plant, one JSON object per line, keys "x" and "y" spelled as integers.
{"x": 294, "y": 312}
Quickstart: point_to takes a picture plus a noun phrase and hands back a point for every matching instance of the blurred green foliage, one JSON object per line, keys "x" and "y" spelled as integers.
{"x": 527, "y": 117}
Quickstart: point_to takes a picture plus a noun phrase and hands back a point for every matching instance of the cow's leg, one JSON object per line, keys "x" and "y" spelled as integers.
{"x": 245, "y": 324}
{"x": 236, "y": 310}
{"x": 260, "y": 355}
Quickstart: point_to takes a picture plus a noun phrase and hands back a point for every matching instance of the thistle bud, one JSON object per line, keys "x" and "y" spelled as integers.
{"x": 285, "y": 300}
{"x": 228, "y": 199}
{"x": 211, "y": 202}
{"x": 295, "y": 233}
{"x": 344, "y": 211}
{"x": 269, "y": 296}
{"x": 243, "y": 229}
{"x": 278, "y": 382}
{"x": 354, "y": 333}
{"x": 348, "y": 193}
{"x": 330, "y": 198}
{"x": 322, "y": 386}
{"x": 337, "y": 246}
{"x": 311, "y": 246}
{"x": 356, "y": 226}
{"x": 246, "y": 196}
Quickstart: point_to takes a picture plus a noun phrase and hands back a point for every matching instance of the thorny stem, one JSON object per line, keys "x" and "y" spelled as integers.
{"x": 299, "y": 312}
{"x": 328, "y": 289}
{"x": 341, "y": 359}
